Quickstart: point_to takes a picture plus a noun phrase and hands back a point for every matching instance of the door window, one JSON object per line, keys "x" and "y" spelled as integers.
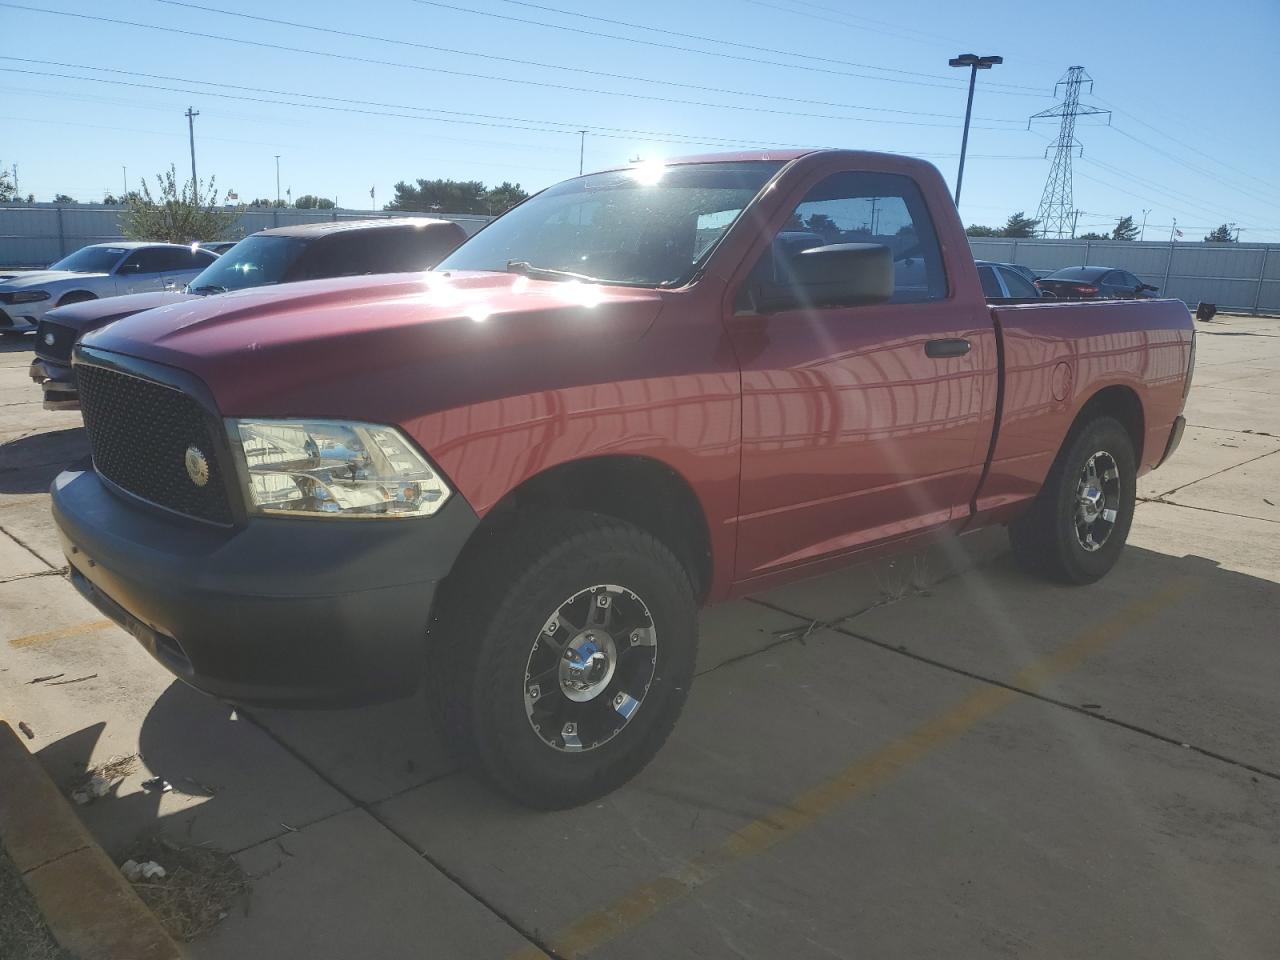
{"x": 145, "y": 260}
{"x": 1019, "y": 286}
{"x": 860, "y": 207}
{"x": 990, "y": 285}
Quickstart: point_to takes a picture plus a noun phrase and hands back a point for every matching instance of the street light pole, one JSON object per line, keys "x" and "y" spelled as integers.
{"x": 1143, "y": 232}
{"x": 277, "y": 179}
{"x": 974, "y": 63}
{"x": 582, "y": 149}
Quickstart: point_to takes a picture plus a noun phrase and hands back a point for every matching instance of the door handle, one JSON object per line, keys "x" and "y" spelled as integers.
{"x": 954, "y": 347}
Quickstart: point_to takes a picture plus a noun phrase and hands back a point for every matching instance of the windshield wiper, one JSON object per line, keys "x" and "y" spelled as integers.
{"x": 211, "y": 287}
{"x": 525, "y": 268}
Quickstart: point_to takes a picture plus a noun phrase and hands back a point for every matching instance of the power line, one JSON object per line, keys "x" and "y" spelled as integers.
{"x": 1186, "y": 146}
{"x": 685, "y": 35}
{"x": 351, "y": 105}
{"x": 350, "y": 34}
{"x": 669, "y": 46}
{"x": 203, "y": 34}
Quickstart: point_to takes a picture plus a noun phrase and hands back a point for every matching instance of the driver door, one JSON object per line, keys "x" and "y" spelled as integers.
{"x": 142, "y": 271}
{"x": 859, "y": 424}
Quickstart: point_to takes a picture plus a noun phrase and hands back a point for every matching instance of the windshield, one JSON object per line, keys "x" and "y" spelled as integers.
{"x": 253, "y": 262}
{"x": 91, "y": 260}
{"x": 649, "y": 226}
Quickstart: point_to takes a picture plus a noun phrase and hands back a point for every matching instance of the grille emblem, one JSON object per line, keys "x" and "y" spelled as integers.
{"x": 48, "y": 338}
{"x": 197, "y": 466}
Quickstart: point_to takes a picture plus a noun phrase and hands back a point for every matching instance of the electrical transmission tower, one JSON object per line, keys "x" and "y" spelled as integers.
{"x": 1056, "y": 203}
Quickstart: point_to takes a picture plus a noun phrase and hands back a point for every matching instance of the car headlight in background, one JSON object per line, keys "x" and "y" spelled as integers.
{"x": 25, "y": 296}
{"x": 334, "y": 468}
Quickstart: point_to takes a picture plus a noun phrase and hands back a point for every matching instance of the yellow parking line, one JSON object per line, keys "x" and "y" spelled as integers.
{"x": 642, "y": 902}
{"x": 35, "y": 639}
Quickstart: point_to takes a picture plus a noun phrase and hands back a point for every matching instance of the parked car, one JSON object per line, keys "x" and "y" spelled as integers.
{"x": 517, "y": 477}
{"x": 1001, "y": 281}
{"x": 95, "y": 272}
{"x": 279, "y": 255}
{"x": 1027, "y": 273}
{"x": 1096, "y": 283}
{"x": 218, "y": 246}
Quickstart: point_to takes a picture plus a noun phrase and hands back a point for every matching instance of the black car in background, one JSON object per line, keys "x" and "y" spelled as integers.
{"x": 1096, "y": 283}
{"x": 1008, "y": 282}
{"x": 312, "y": 251}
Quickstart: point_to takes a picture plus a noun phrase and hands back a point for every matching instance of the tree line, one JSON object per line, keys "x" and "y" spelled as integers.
{"x": 1021, "y": 226}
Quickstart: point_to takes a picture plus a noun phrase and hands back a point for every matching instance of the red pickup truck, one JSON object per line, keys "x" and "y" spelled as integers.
{"x": 517, "y": 477}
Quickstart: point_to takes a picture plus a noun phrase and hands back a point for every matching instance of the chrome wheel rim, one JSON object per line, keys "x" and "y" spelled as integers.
{"x": 1097, "y": 505}
{"x": 590, "y": 668}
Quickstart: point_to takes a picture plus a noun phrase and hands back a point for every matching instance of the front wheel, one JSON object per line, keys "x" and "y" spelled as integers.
{"x": 1076, "y": 527}
{"x": 561, "y": 656}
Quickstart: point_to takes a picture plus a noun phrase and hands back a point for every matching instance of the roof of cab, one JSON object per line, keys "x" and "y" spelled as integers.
{"x": 325, "y": 228}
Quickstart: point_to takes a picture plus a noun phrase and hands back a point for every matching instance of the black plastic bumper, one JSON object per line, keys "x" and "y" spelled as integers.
{"x": 58, "y": 383}
{"x": 1175, "y": 438}
{"x": 280, "y": 611}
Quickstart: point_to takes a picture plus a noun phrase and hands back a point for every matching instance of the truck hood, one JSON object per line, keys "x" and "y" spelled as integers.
{"x": 305, "y": 349}
{"x": 90, "y": 314}
{"x": 29, "y": 279}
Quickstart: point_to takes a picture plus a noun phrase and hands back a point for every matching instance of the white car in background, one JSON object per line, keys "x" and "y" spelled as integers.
{"x": 94, "y": 272}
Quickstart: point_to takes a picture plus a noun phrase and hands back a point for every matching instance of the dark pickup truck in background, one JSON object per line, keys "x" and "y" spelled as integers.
{"x": 517, "y": 477}
{"x": 312, "y": 251}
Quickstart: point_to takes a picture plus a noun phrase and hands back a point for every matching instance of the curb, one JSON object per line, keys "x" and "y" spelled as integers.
{"x": 90, "y": 907}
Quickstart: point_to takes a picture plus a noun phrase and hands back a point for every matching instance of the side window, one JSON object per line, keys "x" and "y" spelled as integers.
{"x": 864, "y": 207}
{"x": 144, "y": 260}
{"x": 1130, "y": 280}
{"x": 1115, "y": 278}
{"x": 192, "y": 259}
{"x": 990, "y": 285}
{"x": 1019, "y": 286}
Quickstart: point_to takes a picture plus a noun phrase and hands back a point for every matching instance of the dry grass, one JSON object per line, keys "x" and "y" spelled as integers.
{"x": 23, "y": 932}
{"x": 198, "y": 890}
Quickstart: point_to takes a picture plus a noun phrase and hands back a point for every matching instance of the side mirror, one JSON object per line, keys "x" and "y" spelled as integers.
{"x": 836, "y": 275}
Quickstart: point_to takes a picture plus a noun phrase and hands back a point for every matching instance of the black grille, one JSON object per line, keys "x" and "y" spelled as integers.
{"x": 64, "y": 339}
{"x": 139, "y": 432}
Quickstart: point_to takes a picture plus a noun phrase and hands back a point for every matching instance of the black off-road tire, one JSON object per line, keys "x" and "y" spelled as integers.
{"x": 1045, "y": 539}
{"x": 492, "y": 610}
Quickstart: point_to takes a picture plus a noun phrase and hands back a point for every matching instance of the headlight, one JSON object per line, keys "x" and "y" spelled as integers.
{"x": 334, "y": 468}
{"x": 27, "y": 296}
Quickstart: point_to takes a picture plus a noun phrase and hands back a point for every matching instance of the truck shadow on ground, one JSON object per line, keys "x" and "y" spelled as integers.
{"x": 29, "y": 464}
{"x": 253, "y": 776}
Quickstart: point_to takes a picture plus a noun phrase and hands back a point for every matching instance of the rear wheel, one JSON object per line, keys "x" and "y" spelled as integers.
{"x": 1077, "y": 526}
{"x": 562, "y": 655}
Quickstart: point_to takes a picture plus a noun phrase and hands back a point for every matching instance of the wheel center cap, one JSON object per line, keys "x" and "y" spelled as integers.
{"x": 587, "y": 666}
{"x": 1091, "y": 502}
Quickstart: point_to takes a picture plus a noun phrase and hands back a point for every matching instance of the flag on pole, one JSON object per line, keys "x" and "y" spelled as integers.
{"x": 1177, "y": 233}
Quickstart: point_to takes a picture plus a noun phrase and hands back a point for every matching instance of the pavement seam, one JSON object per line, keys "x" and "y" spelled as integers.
{"x": 532, "y": 938}
{"x": 25, "y": 547}
{"x": 54, "y": 572}
{"x": 1014, "y": 688}
{"x": 1250, "y": 433}
{"x": 63, "y": 855}
{"x": 1218, "y": 473}
{"x": 1191, "y": 506}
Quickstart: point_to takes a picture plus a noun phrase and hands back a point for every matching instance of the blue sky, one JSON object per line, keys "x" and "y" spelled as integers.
{"x": 1193, "y": 136}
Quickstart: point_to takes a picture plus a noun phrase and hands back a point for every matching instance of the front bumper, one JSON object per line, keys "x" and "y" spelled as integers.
{"x": 279, "y": 611}
{"x": 58, "y": 383}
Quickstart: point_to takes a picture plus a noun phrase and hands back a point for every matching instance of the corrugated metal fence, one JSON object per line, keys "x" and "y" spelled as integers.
{"x": 1236, "y": 276}
{"x": 35, "y": 235}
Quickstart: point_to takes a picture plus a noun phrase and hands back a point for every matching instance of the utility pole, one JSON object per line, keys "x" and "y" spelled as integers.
{"x": 1056, "y": 203}
{"x": 277, "y": 179}
{"x": 582, "y": 149}
{"x": 15, "y": 179}
{"x": 1075, "y": 219}
{"x": 124, "y": 174}
{"x": 1173, "y": 229}
{"x": 974, "y": 63}
{"x": 191, "y": 132}
{"x": 1143, "y": 232}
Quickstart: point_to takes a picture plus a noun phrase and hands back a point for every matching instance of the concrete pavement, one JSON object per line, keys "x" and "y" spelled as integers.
{"x": 966, "y": 761}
